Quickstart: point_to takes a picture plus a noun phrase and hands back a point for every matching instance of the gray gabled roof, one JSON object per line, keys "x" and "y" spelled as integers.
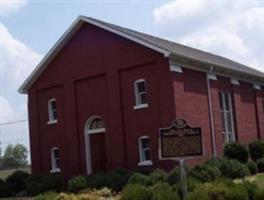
{"x": 166, "y": 47}
{"x": 188, "y": 52}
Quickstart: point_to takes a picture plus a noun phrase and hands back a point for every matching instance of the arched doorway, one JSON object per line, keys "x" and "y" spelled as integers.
{"x": 94, "y": 132}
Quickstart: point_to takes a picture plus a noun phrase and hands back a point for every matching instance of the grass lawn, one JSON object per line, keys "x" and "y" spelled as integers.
{"x": 6, "y": 173}
{"x": 260, "y": 180}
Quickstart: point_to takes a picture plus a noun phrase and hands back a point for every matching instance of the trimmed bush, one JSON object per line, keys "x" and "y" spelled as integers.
{"x": 209, "y": 191}
{"x": 236, "y": 151}
{"x": 215, "y": 190}
{"x": 192, "y": 183}
{"x": 256, "y": 150}
{"x": 174, "y": 176}
{"x": 47, "y": 196}
{"x": 260, "y": 164}
{"x": 138, "y": 178}
{"x": 205, "y": 173}
{"x": 253, "y": 168}
{"x": 198, "y": 195}
{"x": 237, "y": 192}
{"x": 135, "y": 192}
{"x": 77, "y": 183}
{"x": 214, "y": 162}
{"x": 158, "y": 175}
{"x": 17, "y": 181}
{"x": 162, "y": 191}
{"x": 233, "y": 169}
{"x": 5, "y": 189}
{"x": 250, "y": 188}
{"x": 259, "y": 195}
{"x": 36, "y": 184}
{"x": 115, "y": 180}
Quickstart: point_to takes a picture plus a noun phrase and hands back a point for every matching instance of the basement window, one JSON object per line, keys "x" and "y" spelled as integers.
{"x": 144, "y": 151}
{"x": 55, "y": 160}
{"x": 140, "y": 94}
{"x": 52, "y": 111}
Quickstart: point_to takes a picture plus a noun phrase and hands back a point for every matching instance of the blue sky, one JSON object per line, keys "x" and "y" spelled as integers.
{"x": 29, "y": 28}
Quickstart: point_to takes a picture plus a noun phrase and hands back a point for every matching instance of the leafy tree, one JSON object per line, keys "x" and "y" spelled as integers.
{"x": 15, "y": 156}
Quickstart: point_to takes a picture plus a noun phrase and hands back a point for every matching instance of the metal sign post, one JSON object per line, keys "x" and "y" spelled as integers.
{"x": 183, "y": 179}
{"x": 180, "y": 142}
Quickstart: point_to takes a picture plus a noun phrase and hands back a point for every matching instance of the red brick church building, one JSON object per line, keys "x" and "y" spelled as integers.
{"x": 99, "y": 98}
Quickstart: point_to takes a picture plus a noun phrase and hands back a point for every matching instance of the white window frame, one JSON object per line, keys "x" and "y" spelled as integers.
{"x": 54, "y": 167}
{"x": 139, "y": 105}
{"x": 226, "y": 112}
{"x": 50, "y": 112}
{"x": 142, "y": 161}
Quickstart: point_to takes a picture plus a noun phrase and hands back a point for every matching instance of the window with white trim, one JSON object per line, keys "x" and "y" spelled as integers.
{"x": 140, "y": 93}
{"x": 144, "y": 151}
{"x": 227, "y": 117}
{"x": 52, "y": 108}
{"x": 55, "y": 159}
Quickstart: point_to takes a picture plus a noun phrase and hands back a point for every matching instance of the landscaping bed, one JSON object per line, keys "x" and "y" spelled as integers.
{"x": 236, "y": 176}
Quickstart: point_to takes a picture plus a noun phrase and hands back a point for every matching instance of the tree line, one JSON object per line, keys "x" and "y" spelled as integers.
{"x": 14, "y": 157}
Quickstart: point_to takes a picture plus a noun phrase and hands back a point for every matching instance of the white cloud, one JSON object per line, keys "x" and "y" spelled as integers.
{"x": 229, "y": 28}
{"x": 7, "y": 113}
{"x": 18, "y": 59}
{"x": 10, "y": 6}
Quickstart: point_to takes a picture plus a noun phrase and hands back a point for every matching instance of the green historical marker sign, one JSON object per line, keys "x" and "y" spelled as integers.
{"x": 180, "y": 140}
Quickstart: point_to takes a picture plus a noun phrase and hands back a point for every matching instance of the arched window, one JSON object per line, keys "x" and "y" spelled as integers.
{"x": 52, "y": 110}
{"x": 96, "y": 125}
{"x": 55, "y": 159}
{"x": 140, "y": 91}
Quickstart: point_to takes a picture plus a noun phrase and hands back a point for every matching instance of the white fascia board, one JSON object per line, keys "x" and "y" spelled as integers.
{"x": 176, "y": 68}
{"x": 256, "y": 86}
{"x": 64, "y": 39}
{"x": 234, "y": 81}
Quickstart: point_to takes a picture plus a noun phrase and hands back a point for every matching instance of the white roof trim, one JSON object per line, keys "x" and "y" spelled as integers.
{"x": 65, "y": 38}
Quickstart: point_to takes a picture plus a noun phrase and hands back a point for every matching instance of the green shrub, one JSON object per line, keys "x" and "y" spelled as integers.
{"x": 47, "y": 196}
{"x": 138, "y": 178}
{"x": 162, "y": 191}
{"x": 209, "y": 191}
{"x": 253, "y": 168}
{"x": 233, "y": 169}
{"x": 115, "y": 180}
{"x": 198, "y": 195}
{"x": 215, "y": 190}
{"x": 5, "y": 189}
{"x": 205, "y": 172}
{"x": 259, "y": 195}
{"x": 77, "y": 183}
{"x": 237, "y": 192}
{"x": 174, "y": 176}
{"x": 236, "y": 151}
{"x": 135, "y": 192}
{"x": 214, "y": 162}
{"x": 17, "y": 181}
{"x": 250, "y": 188}
{"x": 260, "y": 164}
{"x": 36, "y": 184}
{"x": 158, "y": 176}
{"x": 256, "y": 150}
{"x": 192, "y": 183}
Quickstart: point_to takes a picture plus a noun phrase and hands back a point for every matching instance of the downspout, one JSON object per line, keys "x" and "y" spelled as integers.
{"x": 211, "y": 112}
